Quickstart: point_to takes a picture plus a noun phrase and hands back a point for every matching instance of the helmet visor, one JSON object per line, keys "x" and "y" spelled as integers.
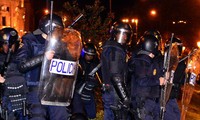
{"x": 89, "y": 52}
{"x": 123, "y": 36}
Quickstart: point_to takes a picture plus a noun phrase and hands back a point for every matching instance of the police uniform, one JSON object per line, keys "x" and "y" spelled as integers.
{"x": 114, "y": 64}
{"x": 13, "y": 91}
{"x": 14, "y": 95}
{"x": 172, "y": 108}
{"x": 84, "y": 100}
{"x": 145, "y": 88}
{"x": 30, "y": 56}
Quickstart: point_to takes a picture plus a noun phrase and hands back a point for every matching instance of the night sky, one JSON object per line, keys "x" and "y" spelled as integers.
{"x": 167, "y": 11}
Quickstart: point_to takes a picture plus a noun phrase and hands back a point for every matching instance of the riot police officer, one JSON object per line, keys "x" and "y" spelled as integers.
{"x": 146, "y": 76}
{"x": 14, "y": 87}
{"x": 114, "y": 65}
{"x": 156, "y": 34}
{"x": 30, "y": 56}
{"x": 172, "y": 108}
{"x": 84, "y": 96}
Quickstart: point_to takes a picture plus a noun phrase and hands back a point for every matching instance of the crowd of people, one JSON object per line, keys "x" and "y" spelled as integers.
{"x": 131, "y": 86}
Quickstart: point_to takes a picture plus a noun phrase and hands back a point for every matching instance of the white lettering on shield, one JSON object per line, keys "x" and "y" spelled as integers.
{"x": 62, "y": 67}
{"x": 192, "y": 79}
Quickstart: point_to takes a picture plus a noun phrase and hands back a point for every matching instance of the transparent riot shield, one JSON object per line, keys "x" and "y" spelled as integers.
{"x": 192, "y": 70}
{"x": 170, "y": 65}
{"x": 58, "y": 75}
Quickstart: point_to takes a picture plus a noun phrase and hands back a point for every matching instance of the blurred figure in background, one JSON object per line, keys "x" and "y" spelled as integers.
{"x": 14, "y": 87}
{"x": 172, "y": 108}
{"x": 84, "y": 96}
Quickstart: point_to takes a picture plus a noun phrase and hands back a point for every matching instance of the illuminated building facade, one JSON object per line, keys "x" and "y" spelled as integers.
{"x": 12, "y": 14}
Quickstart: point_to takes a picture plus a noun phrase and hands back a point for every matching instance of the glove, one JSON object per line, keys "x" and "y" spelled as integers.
{"x": 126, "y": 104}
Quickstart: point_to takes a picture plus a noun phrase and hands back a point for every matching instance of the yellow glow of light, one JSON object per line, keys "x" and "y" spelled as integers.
{"x": 198, "y": 44}
{"x": 125, "y": 20}
{"x": 134, "y": 21}
{"x": 64, "y": 18}
{"x": 153, "y": 12}
{"x": 46, "y": 11}
{"x": 183, "y": 48}
{"x": 190, "y": 65}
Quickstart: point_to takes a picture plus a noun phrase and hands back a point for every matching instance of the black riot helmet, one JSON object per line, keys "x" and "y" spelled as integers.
{"x": 156, "y": 34}
{"x": 118, "y": 29}
{"x": 10, "y": 37}
{"x": 178, "y": 42}
{"x": 90, "y": 49}
{"x": 44, "y": 23}
{"x": 149, "y": 43}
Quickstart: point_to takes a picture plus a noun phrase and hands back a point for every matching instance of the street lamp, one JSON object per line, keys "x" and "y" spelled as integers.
{"x": 153, "y": 12}
{"x": 126, "y": 20}
{"x": 111, "y": 14}
{"x": 136, "y": 27}
{"x": 136, "y": 22}
{"x": 46, "y": 11}
{"x": 132, "y": 21}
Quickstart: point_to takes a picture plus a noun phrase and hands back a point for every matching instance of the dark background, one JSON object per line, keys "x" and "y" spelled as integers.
{"x": 167, "y": 12}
